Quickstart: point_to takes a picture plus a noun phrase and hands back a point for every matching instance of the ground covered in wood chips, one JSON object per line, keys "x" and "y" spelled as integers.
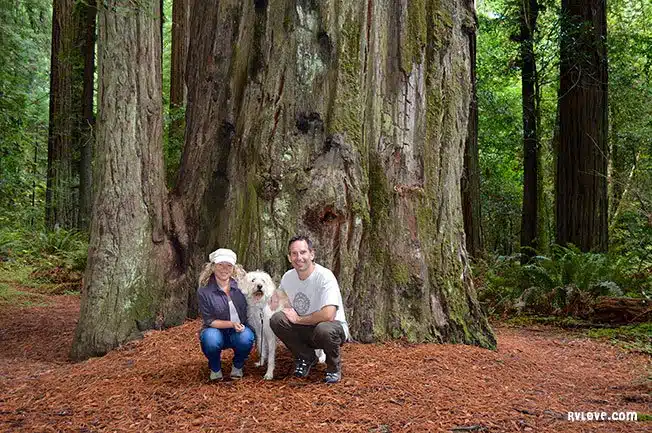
{"x": 160, "y": 384}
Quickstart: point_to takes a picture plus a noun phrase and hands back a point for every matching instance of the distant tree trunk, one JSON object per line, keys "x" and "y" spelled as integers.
{"x": 59, "y": 199}
{"x": 178, "y": 89}
{"x": 581, "y": 185}
{"x": 87, "y": 13}
{"x": 471, "y": 205}
{"x": 530, "y": 215}
{"x": 343, "y": 120}
{"x": 129, "y": 250}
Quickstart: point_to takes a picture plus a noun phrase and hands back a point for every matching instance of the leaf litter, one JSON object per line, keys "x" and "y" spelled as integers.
{"x": 160, "y": 384}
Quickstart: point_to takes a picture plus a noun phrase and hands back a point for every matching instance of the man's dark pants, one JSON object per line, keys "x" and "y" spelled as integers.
{"x": 302, "y": 340}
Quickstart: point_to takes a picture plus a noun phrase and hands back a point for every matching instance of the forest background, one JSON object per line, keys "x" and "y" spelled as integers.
{"x": 512, "y": 276}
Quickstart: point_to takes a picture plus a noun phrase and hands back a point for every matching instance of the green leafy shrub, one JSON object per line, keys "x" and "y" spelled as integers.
{"x": 57, "y": 258}
{"x": 566, "y": 283}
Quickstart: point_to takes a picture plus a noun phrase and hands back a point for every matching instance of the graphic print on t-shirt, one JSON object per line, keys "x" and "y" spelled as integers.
{"x": 301, "y": 303}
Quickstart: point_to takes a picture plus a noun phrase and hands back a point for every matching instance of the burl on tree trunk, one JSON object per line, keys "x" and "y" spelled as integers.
{"x": 345, "y": 121}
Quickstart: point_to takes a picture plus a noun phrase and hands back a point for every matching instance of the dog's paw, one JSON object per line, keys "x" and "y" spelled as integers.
{"x": 268, "y": 376}
{"x": 260, "y": 363}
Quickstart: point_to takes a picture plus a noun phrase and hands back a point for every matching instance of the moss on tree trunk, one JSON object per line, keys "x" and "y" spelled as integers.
{"x": 347, "y": 121}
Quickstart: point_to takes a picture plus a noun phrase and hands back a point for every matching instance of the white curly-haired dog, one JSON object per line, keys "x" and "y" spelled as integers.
{"x": 264, "y": 300}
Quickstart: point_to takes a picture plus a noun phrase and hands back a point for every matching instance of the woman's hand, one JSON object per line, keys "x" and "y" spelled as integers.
{"x": 239, "y": 327}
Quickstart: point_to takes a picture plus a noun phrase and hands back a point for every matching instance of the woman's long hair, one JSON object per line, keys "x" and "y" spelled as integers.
{"x": 205, "y": 274}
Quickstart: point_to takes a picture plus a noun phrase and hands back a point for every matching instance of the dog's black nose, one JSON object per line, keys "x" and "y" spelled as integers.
{"x": 260, "y": 286}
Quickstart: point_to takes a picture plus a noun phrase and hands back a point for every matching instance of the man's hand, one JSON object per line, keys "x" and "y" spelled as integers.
{"x": 292, "y": 315}
{"x": 239, "y": 327}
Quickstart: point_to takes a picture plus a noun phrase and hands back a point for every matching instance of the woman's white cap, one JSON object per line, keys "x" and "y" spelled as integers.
{"x": 223, "y": 255}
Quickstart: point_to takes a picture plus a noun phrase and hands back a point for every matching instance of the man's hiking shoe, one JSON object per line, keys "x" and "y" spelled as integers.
{"x": 216, "y": 375}
{"x": 333, "y": 377}
{"x": 236, "y": 373}
{"x": 302, "y": 367}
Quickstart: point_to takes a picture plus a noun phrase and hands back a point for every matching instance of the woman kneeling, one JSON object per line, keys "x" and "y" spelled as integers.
{"x": 223, "y": 308}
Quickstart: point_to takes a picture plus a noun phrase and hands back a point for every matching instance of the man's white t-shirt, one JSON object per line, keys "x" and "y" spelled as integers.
{"x": 314, "y": 293}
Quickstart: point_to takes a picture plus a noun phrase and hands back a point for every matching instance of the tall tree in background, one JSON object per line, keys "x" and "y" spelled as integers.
{"x": 128, "y": 249}
{"x": 59, "y": 198}
{"x": 86, "y": 15}
{"x": 25, "y": 49}
{"x": 343, "y": 120}
{"x": 471, "y": 204}
{"x": 581, "y": 183}
{"x": 529, "y": 11}
{"x": 71, "y": 114}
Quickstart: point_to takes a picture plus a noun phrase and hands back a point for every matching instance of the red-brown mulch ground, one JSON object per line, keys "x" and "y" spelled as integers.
{"x": 160, "y": 384}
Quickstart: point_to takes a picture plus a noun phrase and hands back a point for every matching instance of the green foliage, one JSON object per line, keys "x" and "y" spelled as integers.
{"x": 12, "y": 296}
{"x": 565, "y": 283}
{"x": 637, "y": 338}
{"x": 500, "y": 133}
{"x": 631, "y": 239}
{"x": 633, "y": 337}
{"x": 24, "y": 84}
{"x": 51, "y": 262}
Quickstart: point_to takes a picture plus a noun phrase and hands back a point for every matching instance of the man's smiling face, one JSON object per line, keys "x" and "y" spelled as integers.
{"x": 301, "y": 256}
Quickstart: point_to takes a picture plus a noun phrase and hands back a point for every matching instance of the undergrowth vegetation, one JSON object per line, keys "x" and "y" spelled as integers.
{"x": 564, "y": 283}
{"x": 47, "y": 262}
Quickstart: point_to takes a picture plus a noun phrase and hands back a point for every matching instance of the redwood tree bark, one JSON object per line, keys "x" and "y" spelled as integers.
{"x": 531, "y": 195}
{"x": 86, "y": 13}
{"x": 343, "y": 120}
{"x": 59, "y": 199}
{"x": 128, "y": 252}
{"x": 71, "y": 114}
{"x": 581, "y": 184}
{"x": 346, "y": 121}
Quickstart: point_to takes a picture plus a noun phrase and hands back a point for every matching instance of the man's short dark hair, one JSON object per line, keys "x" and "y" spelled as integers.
{"x": 300, "y": 238}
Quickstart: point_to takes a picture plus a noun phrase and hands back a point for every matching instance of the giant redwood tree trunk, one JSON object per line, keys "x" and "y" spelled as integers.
{"x": 530, "y": 226}
{"x": 59, "y": 198}
{"x": 347, "y": 121}
{"x": 343, "y": 120}
{"x": 71, "y": 114}
{"x": 581, "y": 185}
{"x": 86, "y": 14}
{"x": 126, "y": 271}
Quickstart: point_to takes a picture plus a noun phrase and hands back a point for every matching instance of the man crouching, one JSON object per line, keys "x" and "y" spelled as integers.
{"x": 316, "y": 319}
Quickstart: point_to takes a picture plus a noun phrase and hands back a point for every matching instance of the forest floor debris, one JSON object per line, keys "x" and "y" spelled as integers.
{"x": 160, "y": 383}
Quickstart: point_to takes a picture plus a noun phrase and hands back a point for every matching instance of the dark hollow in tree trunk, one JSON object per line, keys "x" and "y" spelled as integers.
{"x": 471, "y": 178}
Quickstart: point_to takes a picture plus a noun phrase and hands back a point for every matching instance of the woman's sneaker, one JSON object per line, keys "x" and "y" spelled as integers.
{"x": 333, "y": 377}
{"x": 216, "y": 375}
{"x": 302, "y": 367}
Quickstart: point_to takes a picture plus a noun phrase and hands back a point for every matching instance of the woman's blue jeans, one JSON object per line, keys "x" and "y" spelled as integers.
{"x": 213, "y": 340}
